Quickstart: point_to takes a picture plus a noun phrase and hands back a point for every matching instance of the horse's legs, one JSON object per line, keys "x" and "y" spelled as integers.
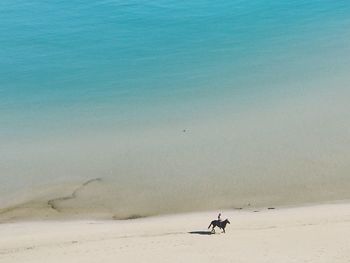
{"x": 223, "y": 230}
{"x": 213, "y": 229}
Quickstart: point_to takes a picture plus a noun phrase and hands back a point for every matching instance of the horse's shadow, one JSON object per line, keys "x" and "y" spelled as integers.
{"x": 201, "y": 232}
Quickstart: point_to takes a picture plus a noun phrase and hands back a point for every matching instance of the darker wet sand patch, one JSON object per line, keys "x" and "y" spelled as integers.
{"x": 130, "y": 217}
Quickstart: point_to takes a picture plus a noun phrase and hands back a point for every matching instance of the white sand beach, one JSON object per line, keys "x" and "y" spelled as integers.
{"x": 318, "y": 233}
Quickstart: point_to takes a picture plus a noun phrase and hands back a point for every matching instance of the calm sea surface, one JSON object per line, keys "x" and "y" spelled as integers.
{"x": 179, "y": 93}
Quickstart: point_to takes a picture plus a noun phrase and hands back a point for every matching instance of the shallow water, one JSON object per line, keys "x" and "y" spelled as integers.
{"x": 176, "y": 105}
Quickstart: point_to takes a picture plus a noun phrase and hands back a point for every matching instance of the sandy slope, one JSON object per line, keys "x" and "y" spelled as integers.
{"x": 306, "y": 234}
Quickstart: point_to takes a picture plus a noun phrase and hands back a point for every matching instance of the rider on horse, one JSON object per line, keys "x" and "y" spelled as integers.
{"x": 219, "y": 223}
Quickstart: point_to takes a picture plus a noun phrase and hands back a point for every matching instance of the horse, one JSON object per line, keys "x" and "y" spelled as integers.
{"x": 219, "y": 224}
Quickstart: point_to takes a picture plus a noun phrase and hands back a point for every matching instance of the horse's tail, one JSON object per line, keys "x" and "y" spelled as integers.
{"x": 210, "y": 224}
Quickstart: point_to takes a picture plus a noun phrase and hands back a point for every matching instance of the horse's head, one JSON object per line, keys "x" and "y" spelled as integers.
{"x": 228, "y": 222}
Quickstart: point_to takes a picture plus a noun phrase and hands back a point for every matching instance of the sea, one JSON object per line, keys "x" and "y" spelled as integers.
{"x": 138, "y": 108}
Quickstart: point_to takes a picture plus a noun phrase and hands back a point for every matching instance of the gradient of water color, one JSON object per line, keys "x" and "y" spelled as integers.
{"x": 176, "y": 105}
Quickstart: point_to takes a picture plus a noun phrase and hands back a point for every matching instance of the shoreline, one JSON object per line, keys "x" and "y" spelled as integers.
{"x": 40, "y": 214}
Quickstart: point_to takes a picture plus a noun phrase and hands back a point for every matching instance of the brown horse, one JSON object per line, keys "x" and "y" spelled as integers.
{"x": 219, "y": 224}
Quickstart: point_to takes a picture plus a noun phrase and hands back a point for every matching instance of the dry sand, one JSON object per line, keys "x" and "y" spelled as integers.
{"x": 319, "y": 233}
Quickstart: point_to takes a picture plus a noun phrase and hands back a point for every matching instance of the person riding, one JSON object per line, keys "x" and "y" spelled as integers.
{"x": 219, "y": 217}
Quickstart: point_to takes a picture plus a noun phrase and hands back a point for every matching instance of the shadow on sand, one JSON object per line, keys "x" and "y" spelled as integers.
{"x": 201, "y": 232}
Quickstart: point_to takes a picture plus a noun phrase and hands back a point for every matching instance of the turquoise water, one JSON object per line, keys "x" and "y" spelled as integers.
{"x": 65, "y": 62}
{"x": 104, "y": 88}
